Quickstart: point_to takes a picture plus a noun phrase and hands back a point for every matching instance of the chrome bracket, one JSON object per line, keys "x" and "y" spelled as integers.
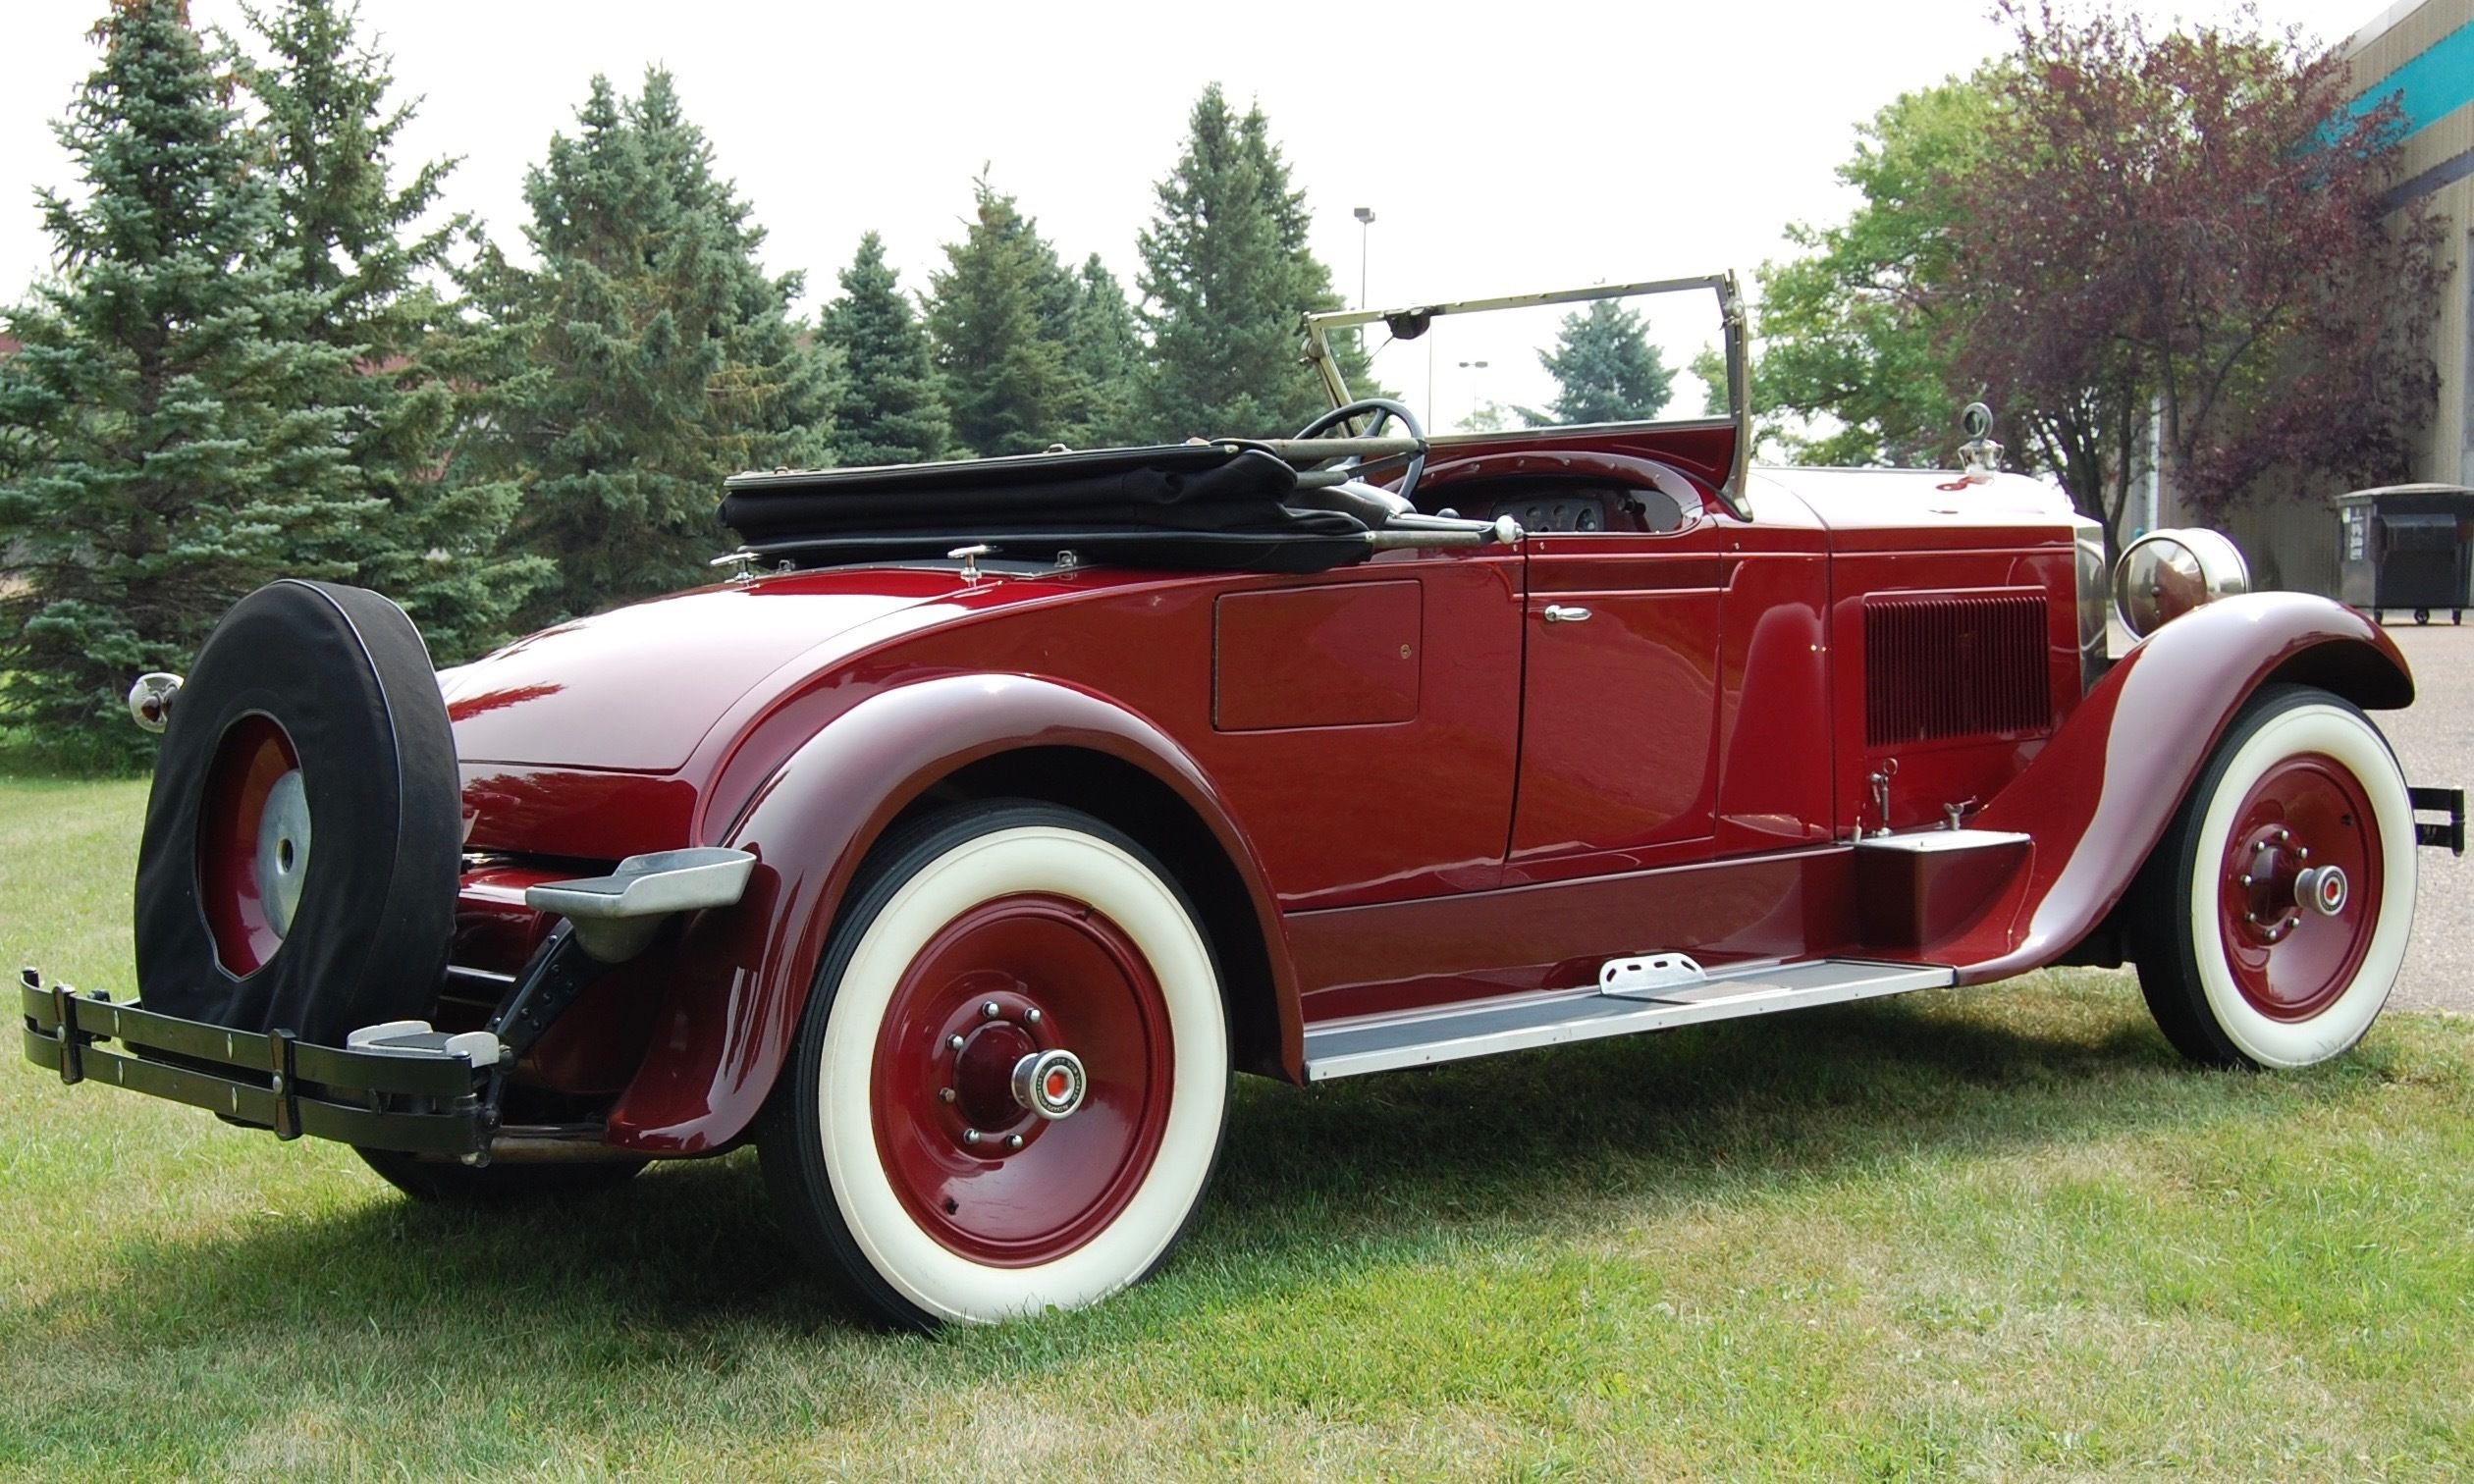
{"x": 969, "y": 556}
{"x": 1879, "y": 782}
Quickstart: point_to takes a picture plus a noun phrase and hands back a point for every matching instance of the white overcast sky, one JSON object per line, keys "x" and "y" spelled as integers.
{"x": 1503, "y": 148}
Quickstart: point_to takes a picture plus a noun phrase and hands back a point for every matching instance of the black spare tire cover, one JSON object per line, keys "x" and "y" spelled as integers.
{"x": 335, "y": 683}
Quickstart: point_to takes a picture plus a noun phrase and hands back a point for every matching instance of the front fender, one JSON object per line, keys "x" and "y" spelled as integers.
{"x": 742, "y": 977}
{"x": 2099, "y": 795}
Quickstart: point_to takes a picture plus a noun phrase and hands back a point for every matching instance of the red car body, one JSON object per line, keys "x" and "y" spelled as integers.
{"x": 1403, "y": 787}
{"x": 957, "y": 871}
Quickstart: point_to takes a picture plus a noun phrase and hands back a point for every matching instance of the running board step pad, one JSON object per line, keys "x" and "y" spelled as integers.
{"x": 1385, "y": 1044}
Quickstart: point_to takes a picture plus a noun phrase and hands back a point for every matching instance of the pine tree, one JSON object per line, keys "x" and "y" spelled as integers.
{"x": 889, "y": 408}
{"x": 1105, "y": 348}
{"x": 1606, "y": 369}
{"x": 1226, "y": 277}
{"x": 434, "y": 543}
{"x": 1001, "y": 313}
{"x": 647, "y": 356}
{"x": 166, "y": 455}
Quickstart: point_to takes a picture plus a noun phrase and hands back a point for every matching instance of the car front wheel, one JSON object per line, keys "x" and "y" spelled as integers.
{"x": 1012, "y": 1076}
{"x": 2278, "y": 905}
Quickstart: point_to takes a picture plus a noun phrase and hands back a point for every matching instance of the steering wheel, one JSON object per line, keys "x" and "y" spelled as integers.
{"x": 1385, "y": 409}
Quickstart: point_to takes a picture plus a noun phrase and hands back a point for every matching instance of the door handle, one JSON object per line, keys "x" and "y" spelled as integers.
{"x": 1556, "y": 613}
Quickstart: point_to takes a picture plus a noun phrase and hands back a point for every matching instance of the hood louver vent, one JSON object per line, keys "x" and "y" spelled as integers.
{"x": 1939, "y": 666}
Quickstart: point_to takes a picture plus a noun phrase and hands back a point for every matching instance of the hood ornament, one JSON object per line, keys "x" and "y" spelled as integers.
{"x": 1980, "y": 457}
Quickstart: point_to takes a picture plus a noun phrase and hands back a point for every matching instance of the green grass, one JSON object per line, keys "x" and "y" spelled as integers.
{"x": 1994, "y": 1232}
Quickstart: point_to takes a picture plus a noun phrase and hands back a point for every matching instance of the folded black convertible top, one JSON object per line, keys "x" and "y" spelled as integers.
{"x": 1215, "y": 506}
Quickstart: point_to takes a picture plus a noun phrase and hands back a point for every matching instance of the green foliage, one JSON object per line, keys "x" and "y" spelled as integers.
{"x": 1488, "y": 416}
{"x": 1105, "y": 347}
{"x": 1226, "y": 276}
{"x": 1850, "y": 340}
{"x": 166, "y": 452}
{"x": 1002, "y": 314}
{"x": 1606, "y": 369}
{"x": 644, "y": 359}
{"x": 2193, "y": 227}
{"x": 347, "y": 236}
{"x": 1709, "y": 368}
{"x": 888, "y": 407}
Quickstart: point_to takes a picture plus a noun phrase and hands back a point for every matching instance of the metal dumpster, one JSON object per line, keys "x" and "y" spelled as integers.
{"x": 2406, "y": 547}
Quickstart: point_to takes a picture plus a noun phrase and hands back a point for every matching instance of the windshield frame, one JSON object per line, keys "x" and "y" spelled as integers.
{"x": 1416, "y": 320}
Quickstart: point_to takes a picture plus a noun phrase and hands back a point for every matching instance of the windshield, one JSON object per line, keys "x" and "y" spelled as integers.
{"x": 1641, "y": 353}
{"x": 1671, "y": 351}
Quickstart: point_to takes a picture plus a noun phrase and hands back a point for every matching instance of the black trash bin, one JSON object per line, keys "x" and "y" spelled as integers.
{"x": 2406, "y": 547}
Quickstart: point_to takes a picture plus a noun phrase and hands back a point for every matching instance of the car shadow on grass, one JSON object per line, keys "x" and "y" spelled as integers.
{"x": 1311, "y": 1182}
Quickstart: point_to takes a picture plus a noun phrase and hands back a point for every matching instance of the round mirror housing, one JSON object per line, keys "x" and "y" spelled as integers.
{"x": 2165, "y": 574}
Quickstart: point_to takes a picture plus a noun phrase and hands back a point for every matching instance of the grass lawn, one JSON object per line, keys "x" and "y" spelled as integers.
{"x": 1990, "y": 1232}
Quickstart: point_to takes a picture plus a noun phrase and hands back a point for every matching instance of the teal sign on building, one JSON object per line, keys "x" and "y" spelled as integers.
{"x": 2436, "y": 83}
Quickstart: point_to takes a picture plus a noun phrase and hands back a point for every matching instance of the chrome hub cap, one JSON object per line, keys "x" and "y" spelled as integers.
{"x": 283, "y": 850}
{"x": 1050, "y": 1084}
{"x": 2322, "y": 889}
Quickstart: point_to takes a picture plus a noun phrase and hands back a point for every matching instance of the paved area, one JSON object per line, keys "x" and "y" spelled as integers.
{"x": 2435, "y": 740}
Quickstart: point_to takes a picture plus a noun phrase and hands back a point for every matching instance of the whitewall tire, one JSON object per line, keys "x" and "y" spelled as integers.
{"x": 2275, "y": 913}
{"x": 1012, "y": 1076}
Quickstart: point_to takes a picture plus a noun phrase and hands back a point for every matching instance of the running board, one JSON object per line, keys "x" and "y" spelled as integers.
{"x": 1421, "y": 1038}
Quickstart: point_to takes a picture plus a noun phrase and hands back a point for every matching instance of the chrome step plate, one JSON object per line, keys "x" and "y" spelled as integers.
{"x": 1417, "y": 1039}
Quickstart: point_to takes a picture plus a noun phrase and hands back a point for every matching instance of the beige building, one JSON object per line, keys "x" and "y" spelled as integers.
{"x": 2421, "y": 51}
{"x": 2425, "y": 53}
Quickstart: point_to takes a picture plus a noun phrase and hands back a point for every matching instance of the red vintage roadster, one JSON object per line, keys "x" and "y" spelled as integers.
{"x": 961, "y": 844}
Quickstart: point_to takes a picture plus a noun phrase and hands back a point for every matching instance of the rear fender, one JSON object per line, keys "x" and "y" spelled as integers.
{"x": 742, "y": 976}
{"x": 2101, "y": 793}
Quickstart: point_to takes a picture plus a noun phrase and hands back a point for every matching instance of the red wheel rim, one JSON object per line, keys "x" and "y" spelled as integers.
{"x": 988, "y": 1178}
{"x": 254, "y": 756}
{"x": 2289, "y": 960}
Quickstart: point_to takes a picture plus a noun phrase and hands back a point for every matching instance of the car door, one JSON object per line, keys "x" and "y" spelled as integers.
{"x": 1620, "y": 694}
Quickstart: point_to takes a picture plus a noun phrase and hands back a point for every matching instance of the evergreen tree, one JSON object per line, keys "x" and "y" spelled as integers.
{"x": 889, "y": 408}
{"x": 647, "y": 356}
{"x": 1226, "y": 277}
{"x": 165, "y": 454}
{"x": 348, "y": 236}
{"x": 1104, "y": 346}
{"x": 1001, "y": 314}
{"x": 1605, "y": 370}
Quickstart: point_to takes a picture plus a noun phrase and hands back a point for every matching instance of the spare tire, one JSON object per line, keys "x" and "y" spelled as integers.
{"x": 312, "y": 719}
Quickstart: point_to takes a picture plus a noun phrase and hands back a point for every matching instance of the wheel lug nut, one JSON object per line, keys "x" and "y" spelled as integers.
{"x": 1032, "y": 1014}
{"x": 989, "y": 1010}
{"x": 970, "y": 1136}
{"x": 953, "y": 1043}
{"x": 1013, "y": 1141}
{"x": 2246, "y": 880}
{"x": 944, "y": 1094}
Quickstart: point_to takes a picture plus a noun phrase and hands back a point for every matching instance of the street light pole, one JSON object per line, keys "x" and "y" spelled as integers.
{"x": 1471, "y": 365}
{"x": 1364, "y": 218}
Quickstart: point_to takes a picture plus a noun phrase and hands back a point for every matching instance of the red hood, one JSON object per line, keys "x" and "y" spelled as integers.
{"x": 636, "y": 688}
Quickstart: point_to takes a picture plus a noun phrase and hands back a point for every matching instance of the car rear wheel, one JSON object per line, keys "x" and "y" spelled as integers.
{"x": 1012, "y": 1076}
{"x": 2278, "y": 905}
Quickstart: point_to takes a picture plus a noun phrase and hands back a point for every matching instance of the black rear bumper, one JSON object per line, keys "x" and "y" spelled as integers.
{"x": 2449, "y": 833}
{"x": 380, "y": 1099}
